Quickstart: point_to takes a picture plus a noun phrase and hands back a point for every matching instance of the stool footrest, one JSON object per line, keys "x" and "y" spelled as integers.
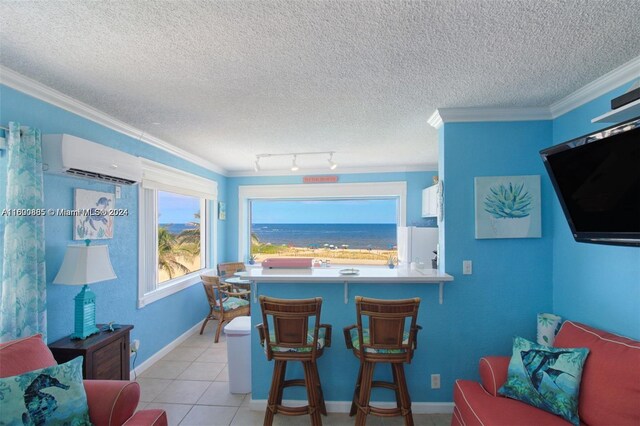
{"x": 293, "y": 382}
{"x": 292, "y": 411}
{"x": 386, "y": 385}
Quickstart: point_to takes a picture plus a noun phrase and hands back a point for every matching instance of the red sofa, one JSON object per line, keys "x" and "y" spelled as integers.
{"x": 111, "y": 402}
{"x": 609, "y": 390}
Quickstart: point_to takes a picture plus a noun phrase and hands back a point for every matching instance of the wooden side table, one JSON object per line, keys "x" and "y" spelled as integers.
{"x": 106, "y": 354}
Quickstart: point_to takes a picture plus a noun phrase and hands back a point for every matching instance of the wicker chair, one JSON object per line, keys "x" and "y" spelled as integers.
{"x": 386, "y": 331}
{"x": 227, "y": 270}
{"x": 224, "y": 304}
{"x": 291, "y": 331}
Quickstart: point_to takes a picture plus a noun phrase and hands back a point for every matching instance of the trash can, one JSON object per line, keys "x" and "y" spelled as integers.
{"x": 238, "y": 333}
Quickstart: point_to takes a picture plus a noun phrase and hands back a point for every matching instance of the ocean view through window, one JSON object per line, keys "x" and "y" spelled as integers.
{"x": 343, "y": 231}
{"x": 179, "y": 237}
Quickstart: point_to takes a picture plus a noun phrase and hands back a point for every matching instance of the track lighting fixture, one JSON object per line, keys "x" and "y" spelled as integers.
{"x": 332, "y": 164}
{"x": 294, "y": 162}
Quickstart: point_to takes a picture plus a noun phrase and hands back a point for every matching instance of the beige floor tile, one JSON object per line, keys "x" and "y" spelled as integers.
{"x": 184, "y": 354}
{"x": 213, "y": 354}
{"x": 197, "y": 341}
{"x": 218, "y": 394}
{"x": 141, "y": 405}
{"x": 183, "y": 392}
{"x": 202, "y": 371}
{"x": 175, "y": 412}
{"x": 441, "y": 419}
{"x": 165, "y": 369}
{"x": 246, "y": 402}
{"x": 150, "y": 388}
{"x": 224, "y": 375}
{"x": 246, "y": 417}
{"x": 209, "y": 415}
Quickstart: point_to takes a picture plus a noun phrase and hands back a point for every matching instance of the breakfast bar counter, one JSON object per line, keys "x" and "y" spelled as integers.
{"x": 338, "y": 367}
{"x": 346, "y": 275}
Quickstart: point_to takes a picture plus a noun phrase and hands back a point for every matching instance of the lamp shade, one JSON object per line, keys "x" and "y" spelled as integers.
{"x": 85, "y": 265}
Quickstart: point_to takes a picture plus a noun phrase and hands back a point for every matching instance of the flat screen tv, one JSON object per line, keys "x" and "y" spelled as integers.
{"x": 597, "y": 180}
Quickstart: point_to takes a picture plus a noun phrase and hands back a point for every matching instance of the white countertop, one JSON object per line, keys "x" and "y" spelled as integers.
{"x": 369, "y": 274}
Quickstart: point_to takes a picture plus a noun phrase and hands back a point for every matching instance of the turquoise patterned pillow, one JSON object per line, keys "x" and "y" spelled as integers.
{"x": 52, "y": 396}
{"x": 545, "y": 377}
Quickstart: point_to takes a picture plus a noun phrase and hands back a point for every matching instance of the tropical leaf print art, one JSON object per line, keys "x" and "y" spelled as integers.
{"x": 508, "y": 201}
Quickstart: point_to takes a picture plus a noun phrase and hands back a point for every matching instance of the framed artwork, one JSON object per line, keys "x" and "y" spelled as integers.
{"x": 508, "y": 207}
{"x": 92, "y": 220}
{"x": 222, "y": 210}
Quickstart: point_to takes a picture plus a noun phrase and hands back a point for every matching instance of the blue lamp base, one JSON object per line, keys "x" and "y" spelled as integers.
{"x": 85, "y": 316}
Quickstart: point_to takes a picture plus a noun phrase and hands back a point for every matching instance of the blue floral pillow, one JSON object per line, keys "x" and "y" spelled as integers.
{"x": 52, "y": 396}
{"x": 546, "y": 377}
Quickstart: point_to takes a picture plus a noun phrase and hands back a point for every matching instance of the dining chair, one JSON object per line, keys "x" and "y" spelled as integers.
{"x": 291, "y": 331}
{"x": 226, "y": 270}
{"x": 224, "y": 305}
{"x": 385, "y": 332}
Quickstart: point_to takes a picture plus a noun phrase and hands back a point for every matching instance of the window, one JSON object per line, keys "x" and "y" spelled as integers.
{"x": 180, "y": 242}
{"x": 343, "y": 231}
{"x": 175, "y": 239}
{"x": 328, "y": 221}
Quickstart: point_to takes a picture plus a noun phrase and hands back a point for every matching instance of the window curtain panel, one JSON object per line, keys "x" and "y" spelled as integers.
{"x": 23, "y": 297}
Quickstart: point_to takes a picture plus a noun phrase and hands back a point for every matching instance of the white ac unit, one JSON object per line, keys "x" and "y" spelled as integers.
{"x": 71, "y": 155}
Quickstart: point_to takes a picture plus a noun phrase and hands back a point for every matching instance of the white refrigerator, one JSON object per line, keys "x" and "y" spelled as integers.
{"x": 416, "y": 244}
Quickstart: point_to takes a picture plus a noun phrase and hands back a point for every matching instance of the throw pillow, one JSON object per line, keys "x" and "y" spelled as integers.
{"x": 52, "y": 396}
{"x": 547, "y": 378}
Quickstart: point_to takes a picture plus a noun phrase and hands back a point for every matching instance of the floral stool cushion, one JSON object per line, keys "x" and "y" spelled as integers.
{"x": 321, "y": 334}
{"x": 365, "y": 338}
{"x": 232, "y": 303}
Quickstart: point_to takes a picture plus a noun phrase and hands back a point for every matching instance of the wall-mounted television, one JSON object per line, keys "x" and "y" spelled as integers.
{"x": 597, "y": 180}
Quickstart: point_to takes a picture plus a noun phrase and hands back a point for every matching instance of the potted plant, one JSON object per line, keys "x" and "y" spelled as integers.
{"x": 391, "y": 262}
{"x": 252, "y": 259}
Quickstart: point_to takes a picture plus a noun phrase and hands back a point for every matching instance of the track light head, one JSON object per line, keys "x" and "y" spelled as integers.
{"x": 256, "y": 165}
{"x": 294, "y": 165}
{"x": 332, "y": 164}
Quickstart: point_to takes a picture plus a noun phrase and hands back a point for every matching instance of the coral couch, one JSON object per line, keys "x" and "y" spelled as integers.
{"x": 609, "y": 391}
{"x": 111, "y": 402}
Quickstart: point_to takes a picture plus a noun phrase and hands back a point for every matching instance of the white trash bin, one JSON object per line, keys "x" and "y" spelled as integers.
{"x": 238, "y": 333}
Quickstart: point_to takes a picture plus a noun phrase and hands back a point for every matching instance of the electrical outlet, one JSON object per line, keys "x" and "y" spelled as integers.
{"x": 435, "y": 381}
{"x": 134, "y": 346}
{"x": 467, "y": 267}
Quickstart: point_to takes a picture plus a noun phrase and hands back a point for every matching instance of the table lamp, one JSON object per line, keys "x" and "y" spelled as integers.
{"x": 83, "y": 265}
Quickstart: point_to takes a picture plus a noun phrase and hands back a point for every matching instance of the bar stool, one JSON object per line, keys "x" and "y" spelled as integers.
{"x": 386, "y": 331}
{"x": 291, "y": 331}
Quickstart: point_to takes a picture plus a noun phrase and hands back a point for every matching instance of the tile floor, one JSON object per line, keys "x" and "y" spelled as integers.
{"x": 190, "y": 384}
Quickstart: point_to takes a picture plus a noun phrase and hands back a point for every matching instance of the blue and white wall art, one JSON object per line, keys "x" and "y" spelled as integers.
{"x": 93, "y": 220}
{"x": 508, "y": 207}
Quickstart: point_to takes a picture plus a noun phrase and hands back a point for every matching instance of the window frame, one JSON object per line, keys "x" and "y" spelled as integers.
{"x": 158, "y": 177}
{"x": 327, "y": 191}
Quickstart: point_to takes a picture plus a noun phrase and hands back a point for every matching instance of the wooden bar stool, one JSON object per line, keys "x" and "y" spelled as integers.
{"x": 291, "y": 331}
{"x": 386, "y": 331}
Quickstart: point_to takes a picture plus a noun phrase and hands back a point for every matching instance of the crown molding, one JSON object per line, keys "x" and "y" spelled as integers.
{"x": 598, "y": 87}
{"x": 339, "y": 171}
{"x": 435, "y": 120}
{"x": 35, "y": 89}
{"x": 452, "y": 115}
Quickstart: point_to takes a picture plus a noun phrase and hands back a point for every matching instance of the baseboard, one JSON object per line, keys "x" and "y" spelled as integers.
{"x": 345, "y": 406}
{"x": 162, "y": 352}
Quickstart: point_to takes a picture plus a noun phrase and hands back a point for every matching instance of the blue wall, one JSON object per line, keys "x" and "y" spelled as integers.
{"x": 157, "y": 324}
{"x": 416, "y": 182}
{"x": 595, "y": 284}
{"x": 511, "y": 280}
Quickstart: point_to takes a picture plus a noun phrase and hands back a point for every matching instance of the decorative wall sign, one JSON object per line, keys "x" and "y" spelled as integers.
{"x": 508, "y": 207}
{"x": 92, "y": 217}
{"x": 222, "y": 210}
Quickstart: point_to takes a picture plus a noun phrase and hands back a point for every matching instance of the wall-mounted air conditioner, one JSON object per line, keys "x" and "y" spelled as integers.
{"x": 71, "y": 155}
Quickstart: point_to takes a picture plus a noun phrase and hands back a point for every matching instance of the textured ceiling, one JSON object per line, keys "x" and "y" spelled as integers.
{"x": 229, "y": 80}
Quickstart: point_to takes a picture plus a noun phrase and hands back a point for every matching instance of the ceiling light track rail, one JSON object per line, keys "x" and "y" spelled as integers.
{"x": 294, "y": 164}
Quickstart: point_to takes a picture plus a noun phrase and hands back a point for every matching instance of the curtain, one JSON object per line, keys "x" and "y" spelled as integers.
{"x": 23, "y": 298}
